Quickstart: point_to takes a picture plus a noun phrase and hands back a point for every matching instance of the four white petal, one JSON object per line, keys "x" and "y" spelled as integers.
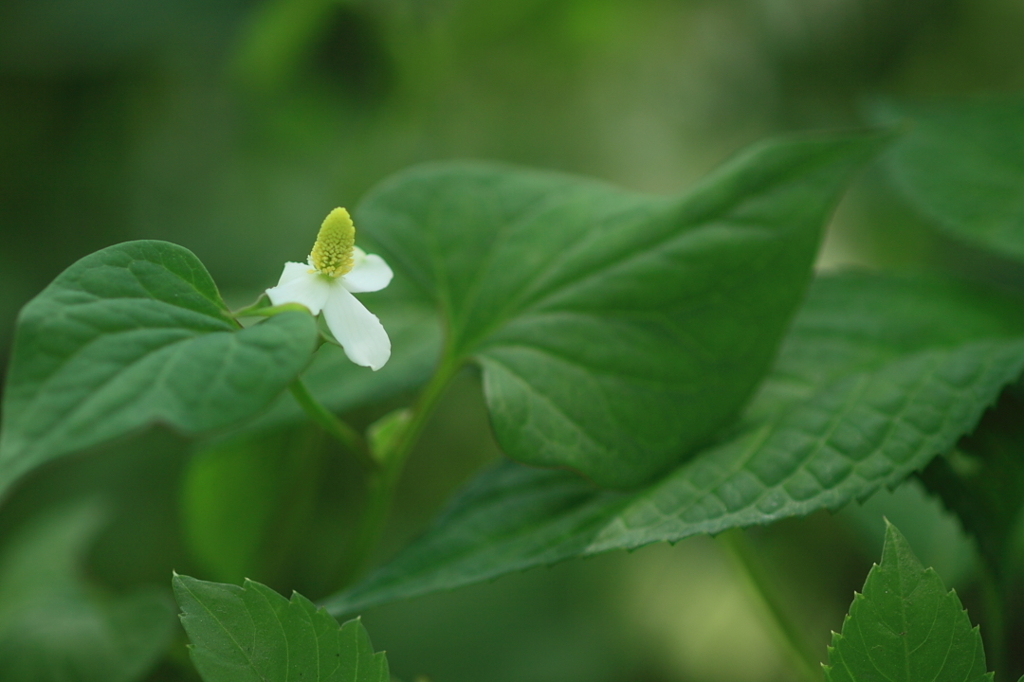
{"x": 358, "y": 330}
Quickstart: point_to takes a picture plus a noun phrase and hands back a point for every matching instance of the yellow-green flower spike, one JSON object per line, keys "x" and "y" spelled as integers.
{"x": 332, "y": 253}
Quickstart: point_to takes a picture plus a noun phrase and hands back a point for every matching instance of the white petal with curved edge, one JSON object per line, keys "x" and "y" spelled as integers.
{"x": 358, "y": 330}
{"x": 293, "y": 271}
{"x": 311, "y": 290}
{"x": 370, "y": 273}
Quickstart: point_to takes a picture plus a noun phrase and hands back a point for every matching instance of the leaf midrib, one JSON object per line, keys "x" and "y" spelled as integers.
{"x": 522, "y": 307}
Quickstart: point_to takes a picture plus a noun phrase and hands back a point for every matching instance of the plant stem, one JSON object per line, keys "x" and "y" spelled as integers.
{"x": 349, "y": 438}
{"x": 995, "y": 637}
{"x": 382, "y": 482}
{"x": 786, "y": 631}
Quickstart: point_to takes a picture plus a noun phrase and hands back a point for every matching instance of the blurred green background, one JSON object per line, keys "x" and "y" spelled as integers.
{"x": 233, "y": 126}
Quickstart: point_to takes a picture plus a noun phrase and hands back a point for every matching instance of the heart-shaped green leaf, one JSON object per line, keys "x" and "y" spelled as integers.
{"x": 859, "y": 398}
{"x": 962, "y": 165}
{"x": 132, "y": 335}
{"x": 616, "y": 331}
{"x": 252, "y": 634}
{"x": 905, "y": 627}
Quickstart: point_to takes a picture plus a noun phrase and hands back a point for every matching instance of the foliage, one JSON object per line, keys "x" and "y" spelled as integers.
{"x": 132, "y": 335}
{"x": 253, "y": 633}
{"x": 905, "y": 626}
{"x": 55, "y": 625}
{"x": 654, "y": 367}
{"x": 978, "y": 198}
{"x": 593, "y": 312}
{"x": 857, "y": 401}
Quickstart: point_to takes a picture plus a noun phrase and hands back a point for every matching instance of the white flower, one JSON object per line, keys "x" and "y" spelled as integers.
{"x": 335, "y": 270}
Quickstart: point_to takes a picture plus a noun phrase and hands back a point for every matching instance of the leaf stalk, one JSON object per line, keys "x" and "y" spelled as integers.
{"x": 383, "y": 481}
{"x": 993, "y": 596}
{"x": 350, "y": 439}
{"x": 786, "y": 631}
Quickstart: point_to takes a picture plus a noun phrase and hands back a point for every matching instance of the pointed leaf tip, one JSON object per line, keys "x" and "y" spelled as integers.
{"x": 906, "y": 626}
{"x": 689, "y": 296}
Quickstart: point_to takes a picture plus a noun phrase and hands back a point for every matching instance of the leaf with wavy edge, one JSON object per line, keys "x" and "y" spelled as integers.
{"x": 132, "y": 335}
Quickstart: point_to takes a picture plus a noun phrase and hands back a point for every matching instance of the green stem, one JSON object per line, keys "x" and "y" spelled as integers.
{"x": 800, "y": 653}
{"x": 349, "y": 438}
{"x": 382, "y": 482}
{"x": 995, "y": 637}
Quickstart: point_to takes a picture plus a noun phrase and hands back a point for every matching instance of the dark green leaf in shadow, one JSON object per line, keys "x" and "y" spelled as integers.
{"x": 131, "y": 335}
{"x": 905, "y": 626}
{"x": 859, "y": 399}
{"x": 962, "y": 165}
{"x": 616, "y": 331}
{"x": 252, "y": 633}
{"x": 56, "y": 627}
{"x": 982, "y": 481}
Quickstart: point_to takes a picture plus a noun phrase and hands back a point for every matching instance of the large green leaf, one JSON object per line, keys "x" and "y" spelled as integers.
{"x": 905, "y": 627}
{"x": 962, "y": 165}
{"x": 131, "y": 335}
{"x": 251, "y": 633}
{"x": 616, "y": 331}
{"x": 56, "y": 627}
{"x": 859, "y": 398}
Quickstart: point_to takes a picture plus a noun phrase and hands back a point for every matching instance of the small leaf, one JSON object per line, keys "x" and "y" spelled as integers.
{"x": 905, "y": 627}
{"x": 962, "y": 165}
{"x": 132, "y": 335}
{"x": 252, "y": 633}
{"x": 384, "y": 433}
{"x": 859, "y": 399}
{"x": 54, "y": 626}
{"x": 616, "y": 331}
